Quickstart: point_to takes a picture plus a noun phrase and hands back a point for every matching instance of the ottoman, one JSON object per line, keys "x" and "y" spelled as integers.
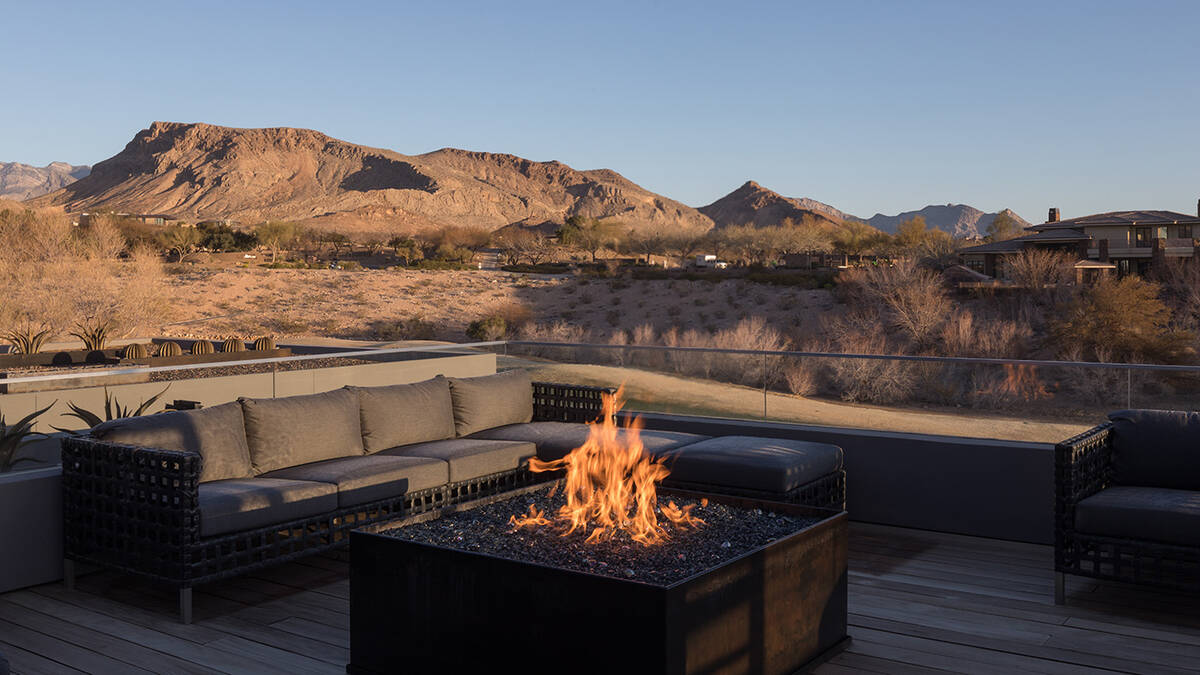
{"x": 775, "y": 469}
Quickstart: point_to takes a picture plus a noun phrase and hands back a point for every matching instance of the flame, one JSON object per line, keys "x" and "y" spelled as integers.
{"x": 611, "y": 486}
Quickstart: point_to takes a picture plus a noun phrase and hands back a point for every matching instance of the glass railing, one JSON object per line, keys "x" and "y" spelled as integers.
{"x": 1010, "y": 399}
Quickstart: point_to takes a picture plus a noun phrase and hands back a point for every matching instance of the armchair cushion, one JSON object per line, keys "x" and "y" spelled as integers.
{"x": 405, "y": 413}
{"x": 1158, "y": 514}
{"x": 217, "y": 434}
{"x": 243, "y": 504}
{"x": 359, "y": 480}
{"x": 1156, "y": 448}
{"x": 491, "y": 401}
{"x": 469, "y": 457}
{"x": 283, "y": 432}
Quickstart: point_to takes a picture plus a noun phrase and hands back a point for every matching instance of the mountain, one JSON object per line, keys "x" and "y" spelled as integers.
{"x": 756, "y": 205}
{"x": 22, "y": 181}
{"x": 959, "y": 220}
{"x": 203, "y": 171}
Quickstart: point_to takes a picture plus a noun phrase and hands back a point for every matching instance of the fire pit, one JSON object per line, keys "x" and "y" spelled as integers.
{"x": 597, "y": 572}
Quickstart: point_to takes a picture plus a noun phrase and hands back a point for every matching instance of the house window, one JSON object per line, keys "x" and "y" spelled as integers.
{"x": 1141, "y": 237}
{"x": 975, "y": 264}
{"x": 1185, "y": 231}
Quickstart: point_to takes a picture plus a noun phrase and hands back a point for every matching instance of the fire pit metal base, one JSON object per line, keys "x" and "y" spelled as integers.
{"x": 416, "y": 607}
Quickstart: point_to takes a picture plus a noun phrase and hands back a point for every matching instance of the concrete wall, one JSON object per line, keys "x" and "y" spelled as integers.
{"x": 215, "y": 390}
{"x": 981, "y": 487}
{"x": 31, "y": 525}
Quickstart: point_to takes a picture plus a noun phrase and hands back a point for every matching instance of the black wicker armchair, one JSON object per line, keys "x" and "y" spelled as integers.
{"x": 1127, "y": 501}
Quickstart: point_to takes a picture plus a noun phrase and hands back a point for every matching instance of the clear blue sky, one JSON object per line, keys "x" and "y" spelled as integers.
{"x": 868, "y": 106}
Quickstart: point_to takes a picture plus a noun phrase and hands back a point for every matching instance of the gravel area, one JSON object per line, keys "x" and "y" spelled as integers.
{"x": 308, "y": 364}
{"x": 728, "y": 532}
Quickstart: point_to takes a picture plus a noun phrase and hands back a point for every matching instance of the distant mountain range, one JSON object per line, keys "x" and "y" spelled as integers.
{"x": 203, "y": 171}
{"x": 959, "y": 220}
{"x": 22, "y": 181}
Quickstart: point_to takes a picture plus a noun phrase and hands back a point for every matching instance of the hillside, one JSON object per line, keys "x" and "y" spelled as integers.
{"x": 202, "y": 171}
{"x": 19, "y": 182}
{"x": 756, "y": 205}
{"x": 959, "y": 220}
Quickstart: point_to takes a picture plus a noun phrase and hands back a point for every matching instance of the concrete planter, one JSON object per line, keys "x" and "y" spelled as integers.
{"x": 30, "y": 527}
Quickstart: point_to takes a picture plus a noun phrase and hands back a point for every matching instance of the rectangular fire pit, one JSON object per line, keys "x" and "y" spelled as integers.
{"x": 417, "y": 607}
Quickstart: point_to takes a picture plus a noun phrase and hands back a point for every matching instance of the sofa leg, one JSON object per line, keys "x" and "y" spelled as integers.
{"x": 185, "y": 605}
{"x": 69, "y": 574}
{"x": 1060, "y": 588}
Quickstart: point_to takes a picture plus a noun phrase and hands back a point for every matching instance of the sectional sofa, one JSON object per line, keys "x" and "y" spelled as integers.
{"x": 193, "y": 496}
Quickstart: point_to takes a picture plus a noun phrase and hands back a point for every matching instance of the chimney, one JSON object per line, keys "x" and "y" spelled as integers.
{"x": 1053, "y": 217}
{"x": 1198, "y": 208}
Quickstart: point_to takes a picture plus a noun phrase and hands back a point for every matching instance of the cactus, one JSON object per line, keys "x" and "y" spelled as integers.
{"x": 264, "y": 344}
{"x": 134, "y": 351}
{"x": 202, "y": 347}
{"x": 233, "y": 345}
{"x": 169, "y": 349}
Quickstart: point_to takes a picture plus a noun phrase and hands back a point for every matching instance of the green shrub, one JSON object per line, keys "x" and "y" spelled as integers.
{"x": 440, "y": 265}
{"x": 488, "y": 329}
{"x": 541, "y": 268}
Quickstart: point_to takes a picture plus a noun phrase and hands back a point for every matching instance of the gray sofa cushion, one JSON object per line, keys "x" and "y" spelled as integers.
{"x": 283, "y": 432}
{"x": 555, "y": 439}
{"x": 1156, "y": 448}
{"x": 1158, "y": 514}
{"x": 471, "y": 457}
{"x": 405, "y": 413}
{"x": 217, "y": 434}
{"x": 491, "y": 401}
{"x": 241, "y": 504}
{"x": 359, "y": 480}
{"x": 749, "y": 462}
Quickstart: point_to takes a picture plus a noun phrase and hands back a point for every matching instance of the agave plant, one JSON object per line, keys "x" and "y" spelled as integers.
{"x": 94, "y": 333}
{"x": 112, "y": 410}
{"x": 14, "y": 437}
{"x": 28, "y": 339}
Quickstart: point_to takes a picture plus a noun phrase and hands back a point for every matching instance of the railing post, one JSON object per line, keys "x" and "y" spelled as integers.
{"x": 764, "y": 385}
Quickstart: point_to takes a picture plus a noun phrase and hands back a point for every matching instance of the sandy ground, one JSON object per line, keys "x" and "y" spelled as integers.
{"x": 659, "y": 392}
{"x": 394, "y": 305}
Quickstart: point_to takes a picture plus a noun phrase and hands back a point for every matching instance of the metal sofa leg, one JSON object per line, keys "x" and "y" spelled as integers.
{"x": 185, "y": 605}
{"x": 1060, "y": 588}
{"x": 69, "y": 574}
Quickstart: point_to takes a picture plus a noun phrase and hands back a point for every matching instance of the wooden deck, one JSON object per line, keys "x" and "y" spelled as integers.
{"x": 919, "y": 602}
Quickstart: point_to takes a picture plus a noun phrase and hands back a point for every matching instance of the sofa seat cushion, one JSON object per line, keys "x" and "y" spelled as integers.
{"x": 491, "y": 401}
{"x": 241, "y": 504}
{"x": 1158, "y": 514}
{"x": 772, "y": 465}
{"x": 295, "y": 430}
{"x": 555, "y": 439}
{"x": 403, "y": 414}
{"x": 471, "y": 457}
{"x": 217, "y": 434}
{"x": 359, "y": 480}
{"x": 1156, "y": 448}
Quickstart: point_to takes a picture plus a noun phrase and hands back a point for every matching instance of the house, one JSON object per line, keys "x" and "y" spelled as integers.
{"x": 160, "y": 219}
{"x": 1127, "y": 242}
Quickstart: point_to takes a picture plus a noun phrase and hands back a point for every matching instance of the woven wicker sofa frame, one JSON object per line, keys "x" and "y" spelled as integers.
{"x": 136, "y": 510}
{"x": 1082, "y": 467}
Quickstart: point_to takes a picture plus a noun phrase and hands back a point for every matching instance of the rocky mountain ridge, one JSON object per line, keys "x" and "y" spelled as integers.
{"x": 959, "y": 220}
{"x": 19, "y": 182}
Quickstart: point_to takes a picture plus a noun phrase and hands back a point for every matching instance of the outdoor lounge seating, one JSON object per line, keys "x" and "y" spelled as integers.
{"x": 189, "y": 497}
{"x": 1128, "y": 501}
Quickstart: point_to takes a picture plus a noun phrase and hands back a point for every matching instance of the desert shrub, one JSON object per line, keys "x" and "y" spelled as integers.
{"x": 801, "y": 378}
{"x": 1124, "y": 318}
{"x": 439, "y": 265}
{"x": 619, "y": 338}
{"x": 962, "y": 334}
{"x": 411, "y": 328}
{"x": 752, "y": 333}
{"x": 540, "y": 268}
{"x": 488, "y": 329}
{"x": 351, "y": 266}
{"x": 1042, "y": 274}
{"x": 613, "y": 317}
{"x": 870, "y": 380}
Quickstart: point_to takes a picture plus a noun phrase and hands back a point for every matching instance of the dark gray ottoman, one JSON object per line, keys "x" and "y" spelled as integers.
{"x": 763, "y": 468}
{"x": 3, "y": 665}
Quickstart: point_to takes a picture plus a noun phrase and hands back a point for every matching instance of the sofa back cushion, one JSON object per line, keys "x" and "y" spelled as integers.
{"x": 283, "y": 432}
{"x": 491, "y": 401}
{"x": 402, "y": 414}
{"x": 217, "y": 434}
{"x": 1156, "y": 448}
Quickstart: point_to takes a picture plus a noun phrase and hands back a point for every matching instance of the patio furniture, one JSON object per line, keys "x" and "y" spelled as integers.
{"x": 1127, "y": 501}
{"x": 188, "y": 497}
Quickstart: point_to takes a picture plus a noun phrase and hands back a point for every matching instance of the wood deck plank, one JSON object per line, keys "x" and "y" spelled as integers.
{"x": 920, "y": 602}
